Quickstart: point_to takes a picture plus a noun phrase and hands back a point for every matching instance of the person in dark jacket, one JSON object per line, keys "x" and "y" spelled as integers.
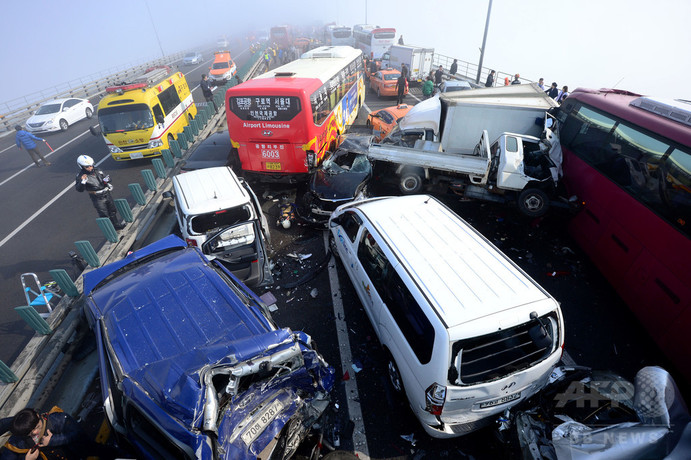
{"x": 437, "y": 75}
{"x": 553, "y": 92}
{"x": 27, "y": 140}
{"x": 97, "y": 184}
{"x": 490, "y": 79}
{"x": 206, "y": 90}
{"x": 401, "y": 85}
{"x": 53, "y": 435}
{"x": 454, "y": 67}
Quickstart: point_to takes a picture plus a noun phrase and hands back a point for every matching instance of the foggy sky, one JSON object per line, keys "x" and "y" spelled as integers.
{"x": 639, "y": 45}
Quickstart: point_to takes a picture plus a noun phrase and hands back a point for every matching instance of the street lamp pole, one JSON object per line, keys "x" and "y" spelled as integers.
{"x": 366, "y": 12}
{"x": 484, "y": 41}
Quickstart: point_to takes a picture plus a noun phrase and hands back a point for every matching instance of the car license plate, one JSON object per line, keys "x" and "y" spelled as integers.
{"x": 273, "y": 166}
{"x": 502, "y": 400}
{"x": 261, "y": 422}
{"x": 136, "y": 155}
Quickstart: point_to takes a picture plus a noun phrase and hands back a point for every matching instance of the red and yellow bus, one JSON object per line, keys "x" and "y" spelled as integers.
{"x": 283, "y": 122}
{"x": 628, "y": 158}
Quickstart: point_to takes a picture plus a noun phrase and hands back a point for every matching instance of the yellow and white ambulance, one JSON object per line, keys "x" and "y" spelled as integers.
{"x": 138, "y": 119}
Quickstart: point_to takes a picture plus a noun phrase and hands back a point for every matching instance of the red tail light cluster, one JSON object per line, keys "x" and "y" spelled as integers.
{"x": 435, "y": 396}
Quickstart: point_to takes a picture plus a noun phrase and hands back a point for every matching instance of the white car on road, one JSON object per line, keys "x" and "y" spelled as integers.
{"x": 59, "y": 114}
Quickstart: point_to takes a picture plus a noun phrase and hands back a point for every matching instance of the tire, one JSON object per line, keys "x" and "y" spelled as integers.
{"x": 378, "y": 93}
{"x": 63, "y": 124}
{"x": 410, "y": 183}
{"x": 89, "y": 113}
{"x": 289, "y": 440}
{"x": 533, "y": 202}
{"x": 332, "y": 246}
{"x": 190, "y": 117}
{"x": 394, "y": 376}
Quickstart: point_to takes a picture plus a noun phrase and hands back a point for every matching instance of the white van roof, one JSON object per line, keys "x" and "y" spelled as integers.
{"x": 463, "y": 276}
{"x": 209, "y": 190}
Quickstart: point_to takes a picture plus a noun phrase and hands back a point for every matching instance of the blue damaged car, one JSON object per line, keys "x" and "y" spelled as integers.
{"x": 191, "y": 363}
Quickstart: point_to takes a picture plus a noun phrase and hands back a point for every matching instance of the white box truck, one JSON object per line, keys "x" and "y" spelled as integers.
{"x": 418, "y": 60}
{"x": 437, "y": 142}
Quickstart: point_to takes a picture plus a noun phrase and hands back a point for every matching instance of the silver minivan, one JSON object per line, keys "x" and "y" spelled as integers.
{"x": 468, "y": 334}
{"x": 219, "y": 213}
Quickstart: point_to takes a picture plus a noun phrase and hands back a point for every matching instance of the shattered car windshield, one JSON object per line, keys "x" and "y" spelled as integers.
{"x": 344, "y": 160}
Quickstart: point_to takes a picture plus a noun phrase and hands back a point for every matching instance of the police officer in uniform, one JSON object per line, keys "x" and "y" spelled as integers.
{"x": 97, "y": 184}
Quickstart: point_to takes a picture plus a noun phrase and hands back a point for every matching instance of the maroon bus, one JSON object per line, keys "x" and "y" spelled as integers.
{"x": 628, "y": 158}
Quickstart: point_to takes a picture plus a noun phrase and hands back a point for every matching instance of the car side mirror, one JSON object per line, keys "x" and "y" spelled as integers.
{"x": 95, "y": 130}
{"x": 159, "y": 120}
{"x": 168, "y": 194}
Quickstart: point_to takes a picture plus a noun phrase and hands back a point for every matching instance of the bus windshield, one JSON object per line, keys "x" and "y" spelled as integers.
{"x": 265, "y": 108}
{"x": 125, "y": 118}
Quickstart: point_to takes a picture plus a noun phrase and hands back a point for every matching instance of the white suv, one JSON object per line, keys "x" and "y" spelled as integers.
{"x": 468, "y": 334}
{"x": 219, "y": 213}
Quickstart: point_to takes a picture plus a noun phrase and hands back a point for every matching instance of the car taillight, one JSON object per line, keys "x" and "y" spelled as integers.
{"x": 311, "y": 159}
{"x": 191, "y": 242}
{"x": 435, "y": 396}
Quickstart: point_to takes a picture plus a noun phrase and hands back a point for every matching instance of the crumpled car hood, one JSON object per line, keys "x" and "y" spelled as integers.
{"x": 337, "y": 186}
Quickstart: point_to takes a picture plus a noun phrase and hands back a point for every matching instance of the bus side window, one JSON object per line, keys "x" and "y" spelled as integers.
{"x": 676, "y": 188}
{"x": 158, "y": 114}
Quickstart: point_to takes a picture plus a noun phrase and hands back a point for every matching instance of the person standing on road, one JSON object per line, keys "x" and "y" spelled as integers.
{"x": 98, "y": 185}
{"x": 26, "y": 139}
{"x": 404, "y": 70}
{"x": 490, "y": 79}
{"x": 428, "y": 88}
{"x": 400, "y": 40}
{"x": 454, "y": 67}
{"x": 206, "y": 90}
{"x": 438, "y": 74}
{"x": 401, "y": 84}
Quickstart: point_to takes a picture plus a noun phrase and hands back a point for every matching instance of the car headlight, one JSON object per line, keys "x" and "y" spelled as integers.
{"x": 50, "y": 122}
{"x": 114, "y": 149}
{"x": 155, "y": 143}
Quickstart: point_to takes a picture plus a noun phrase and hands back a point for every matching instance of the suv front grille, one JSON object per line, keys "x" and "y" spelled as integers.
{"x": 496, "y": 355}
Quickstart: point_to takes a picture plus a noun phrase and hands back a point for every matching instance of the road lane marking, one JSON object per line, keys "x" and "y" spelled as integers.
{"x": 353, "y": 398}
{"x": 43, "y": 208}
{"x": 46, "y": 156}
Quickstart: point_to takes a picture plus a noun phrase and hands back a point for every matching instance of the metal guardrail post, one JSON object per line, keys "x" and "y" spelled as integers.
{"x": 199, "y": 126}
{"x": 182, "y": 140}
{"x": 188, "y": 132}
{"x": 33, "y": 319}
{"x": 210, "y": 111}
{"x": 124, "y": 209}
{"x": 218, "y": 99}
{"x": 107, "y": 228}
{"x": 6, "y": 374}
{"x": 194, "y": 129}
{"x": 159, "y": 168}
{"x": 167, "y": 157}
{"x": 175, "y": 148}
{"x": 87, "y": 251}
{"x": 65, "y": 282}
{"x": 137, "y": 193}
{"x": 149, "y": 179}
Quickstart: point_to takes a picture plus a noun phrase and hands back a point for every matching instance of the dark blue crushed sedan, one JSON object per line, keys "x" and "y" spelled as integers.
{"x": 191, "y": 363}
